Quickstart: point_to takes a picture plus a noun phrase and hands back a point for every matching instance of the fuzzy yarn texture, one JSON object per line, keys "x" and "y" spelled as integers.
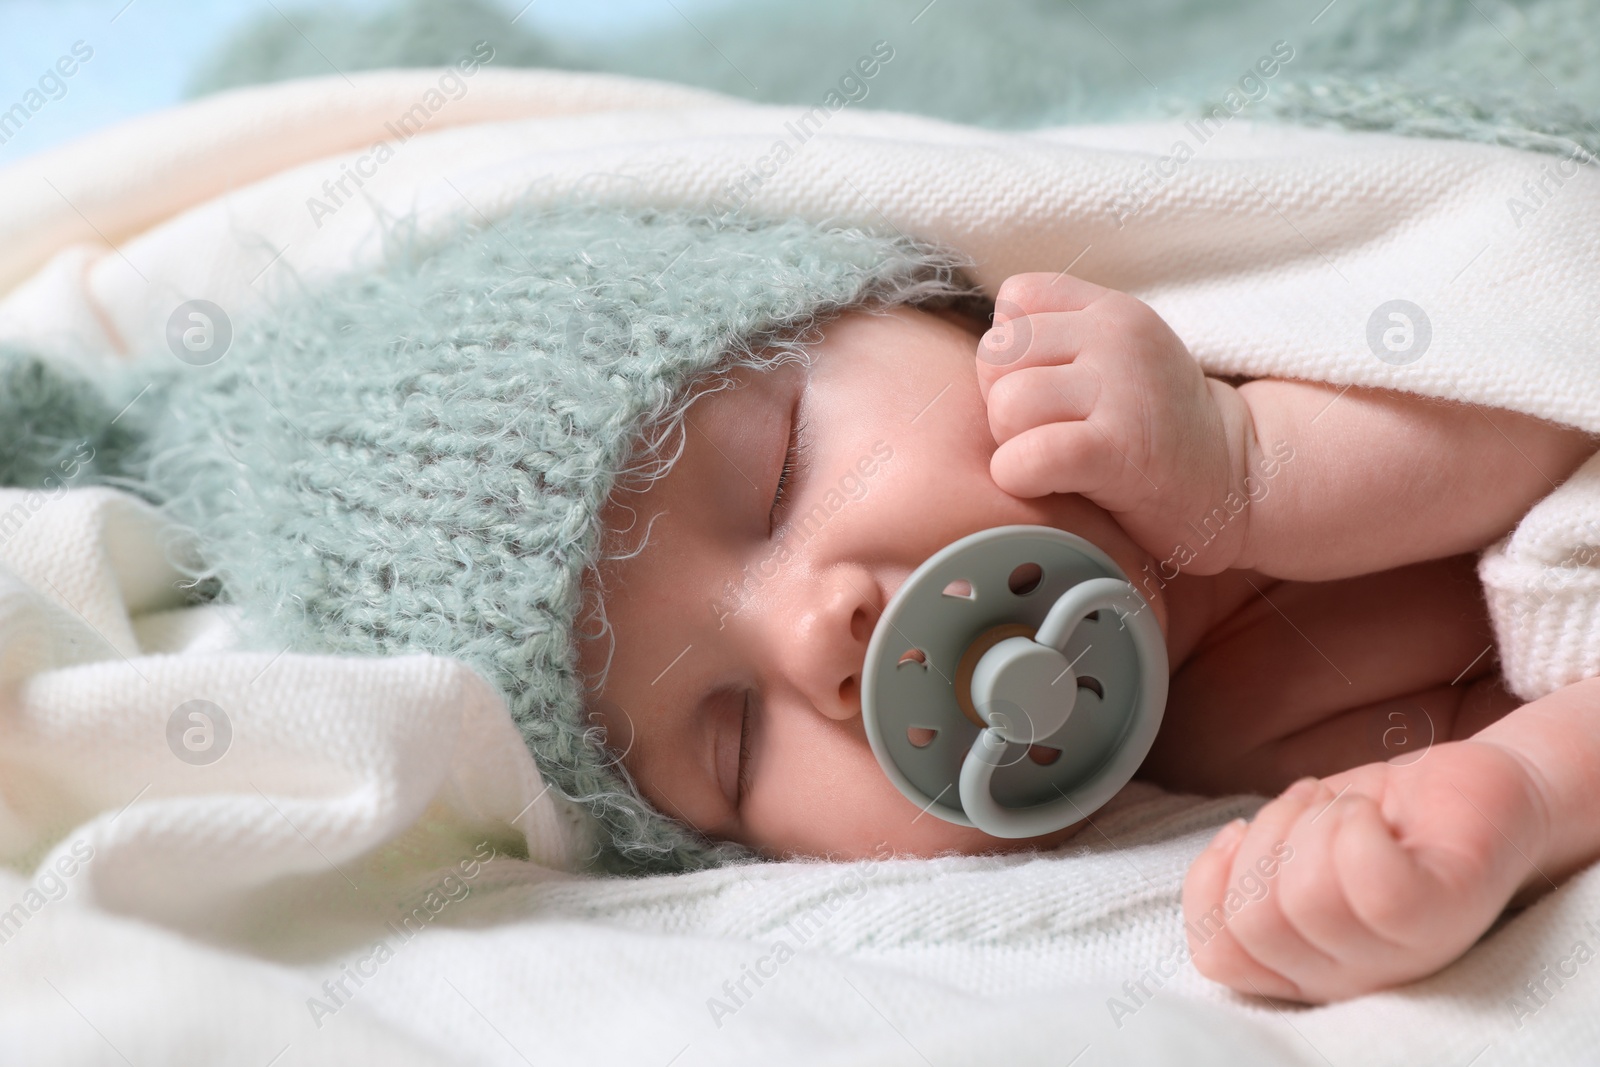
{"x": 1519, "y": 74}
{"x": 415, "y": 459}
{"x": 59, "y": 426}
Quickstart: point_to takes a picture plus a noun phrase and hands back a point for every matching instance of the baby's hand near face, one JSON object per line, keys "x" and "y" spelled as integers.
{"x": 1378, "y": 875}
{"x": 1090, "y": 392}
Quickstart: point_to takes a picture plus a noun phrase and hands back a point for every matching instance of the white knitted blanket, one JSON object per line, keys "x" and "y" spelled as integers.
{"x": 227, "y": 857}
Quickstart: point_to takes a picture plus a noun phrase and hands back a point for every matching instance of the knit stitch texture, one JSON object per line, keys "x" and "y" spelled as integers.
{"x": 415, "y": 459}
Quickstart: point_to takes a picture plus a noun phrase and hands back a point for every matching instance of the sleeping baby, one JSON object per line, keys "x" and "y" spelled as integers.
{"x": 656, "y": 475}
{"x": 1338, "y": 599}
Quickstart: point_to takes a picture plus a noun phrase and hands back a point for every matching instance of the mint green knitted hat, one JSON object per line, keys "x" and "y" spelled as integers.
{"x": 415, "y": 458}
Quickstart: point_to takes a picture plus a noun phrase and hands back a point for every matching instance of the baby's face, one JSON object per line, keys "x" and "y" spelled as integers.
{"x": 740, "y": 629}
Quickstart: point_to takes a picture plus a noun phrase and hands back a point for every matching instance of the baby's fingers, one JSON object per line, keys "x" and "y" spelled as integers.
{"x": 1314, "y": 893}
{"x": 1037, "y": 291}
{"x": 1216, "y": 953}
{"x": 1026, "y": 341}
{"x": 1060, "y": 457}
{"x": 1037, "y": 396}
{"x": 1252, "y": 907}
{"x": 1394, "y": 895}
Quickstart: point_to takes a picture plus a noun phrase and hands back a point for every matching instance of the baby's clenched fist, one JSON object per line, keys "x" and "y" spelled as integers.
{"x": 1383, "y": 874}
{"x": 1090, "y": 392}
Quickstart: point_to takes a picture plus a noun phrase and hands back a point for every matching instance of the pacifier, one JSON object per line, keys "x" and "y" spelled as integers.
{"x": 1015, "y": 682}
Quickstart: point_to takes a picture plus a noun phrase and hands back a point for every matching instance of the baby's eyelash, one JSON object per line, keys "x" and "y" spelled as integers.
{"x": 790, "y": 461}
{"x": 744, "y": 750}
{"x": 783, "y": 478}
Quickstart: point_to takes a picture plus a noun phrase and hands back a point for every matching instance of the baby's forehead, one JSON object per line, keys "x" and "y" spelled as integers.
{"x": 842, "y": 345}
{"x": 733, "y": 398}
{"x": 863, "y": 328}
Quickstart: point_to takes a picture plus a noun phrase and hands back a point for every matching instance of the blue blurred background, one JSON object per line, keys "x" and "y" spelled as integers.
{"x": 147, "y": 53}
{"x": 1517, "y": 72}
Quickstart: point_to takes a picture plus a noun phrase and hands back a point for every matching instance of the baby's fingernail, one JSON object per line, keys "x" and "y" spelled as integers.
{"x": 1229, "y": 835}
{"x": 1302, "y": 789}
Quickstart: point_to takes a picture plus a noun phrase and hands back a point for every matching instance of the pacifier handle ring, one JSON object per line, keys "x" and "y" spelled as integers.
{"x": 988, "y": 751}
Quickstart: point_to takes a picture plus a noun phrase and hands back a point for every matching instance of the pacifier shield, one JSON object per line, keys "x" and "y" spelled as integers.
{"x": 1071, "y": 718}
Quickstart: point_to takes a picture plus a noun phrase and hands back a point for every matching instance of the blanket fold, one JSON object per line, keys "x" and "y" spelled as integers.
{"x": 130, "y": 728}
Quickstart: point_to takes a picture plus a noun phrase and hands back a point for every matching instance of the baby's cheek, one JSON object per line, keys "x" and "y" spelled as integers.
{"x": 810, "y": 802}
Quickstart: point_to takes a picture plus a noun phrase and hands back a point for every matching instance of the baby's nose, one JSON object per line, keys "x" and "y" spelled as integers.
{"x": 827, "y": 642}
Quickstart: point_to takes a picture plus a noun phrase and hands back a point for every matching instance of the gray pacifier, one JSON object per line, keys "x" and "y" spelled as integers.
{"x": 1015, "y": 682}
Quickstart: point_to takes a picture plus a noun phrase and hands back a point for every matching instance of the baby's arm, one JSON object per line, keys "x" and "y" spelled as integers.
{"x": 1090, "y": 392}
{"x": 1387, "y": 872}
{"x": 1381, "y": 479}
